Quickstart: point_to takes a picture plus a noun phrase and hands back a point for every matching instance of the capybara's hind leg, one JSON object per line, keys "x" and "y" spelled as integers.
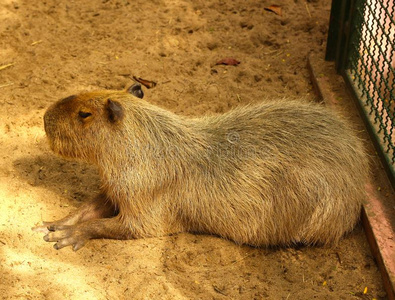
{"x": 99, "y": 207}
{"x": 77, "y": 235}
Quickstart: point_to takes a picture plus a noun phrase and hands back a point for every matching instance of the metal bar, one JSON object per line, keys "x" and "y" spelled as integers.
{"x": 333, "y": 32}
{"x": 344, "y": 31}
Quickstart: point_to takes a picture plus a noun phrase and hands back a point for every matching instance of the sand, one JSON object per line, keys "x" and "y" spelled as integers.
{"x": 52, "y": 49}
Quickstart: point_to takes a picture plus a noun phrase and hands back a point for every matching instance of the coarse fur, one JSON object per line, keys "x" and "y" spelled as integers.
{"x": 273, "y": 173}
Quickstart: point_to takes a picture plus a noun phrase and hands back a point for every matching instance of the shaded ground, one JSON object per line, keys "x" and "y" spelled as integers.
{"x": 58, "y": 48}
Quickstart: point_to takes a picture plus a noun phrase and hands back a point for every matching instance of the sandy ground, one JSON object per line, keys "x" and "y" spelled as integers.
{"x": 58, "y": 48}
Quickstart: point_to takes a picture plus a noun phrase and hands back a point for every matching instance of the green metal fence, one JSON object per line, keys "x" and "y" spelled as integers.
{"x": 361, "y": 40}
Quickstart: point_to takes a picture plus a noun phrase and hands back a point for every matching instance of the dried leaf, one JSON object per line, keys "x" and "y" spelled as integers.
{"x": 228, "y": 61}
{"x": 147, "y": 83}
{"x": 275, "y": 9}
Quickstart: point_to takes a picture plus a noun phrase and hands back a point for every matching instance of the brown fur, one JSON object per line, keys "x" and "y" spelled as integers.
{"x": 275, "y": 173}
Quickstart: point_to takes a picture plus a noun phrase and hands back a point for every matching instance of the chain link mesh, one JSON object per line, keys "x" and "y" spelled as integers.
{"x": 370, "y": 67}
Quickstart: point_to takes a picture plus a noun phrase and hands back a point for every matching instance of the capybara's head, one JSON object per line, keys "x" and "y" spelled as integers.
{"x": 77, "y": 126}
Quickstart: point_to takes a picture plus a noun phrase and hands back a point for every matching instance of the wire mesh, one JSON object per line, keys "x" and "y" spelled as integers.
{"x": 370, "y": 67}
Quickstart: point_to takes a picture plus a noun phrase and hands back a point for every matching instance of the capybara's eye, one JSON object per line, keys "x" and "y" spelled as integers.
{"x": 84, "y": 115}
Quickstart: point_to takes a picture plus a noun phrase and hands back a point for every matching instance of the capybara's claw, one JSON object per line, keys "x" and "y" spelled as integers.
{"x": 45, "y": 227}
{"x": 42, "y": 229}
{"x": 72, "y": 241}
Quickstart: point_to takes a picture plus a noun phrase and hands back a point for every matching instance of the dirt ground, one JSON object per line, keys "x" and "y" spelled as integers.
{"x": 51, "y": 49}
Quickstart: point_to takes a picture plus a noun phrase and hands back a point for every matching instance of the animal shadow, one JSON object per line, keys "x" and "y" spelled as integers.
{"x": 75, "y": 179}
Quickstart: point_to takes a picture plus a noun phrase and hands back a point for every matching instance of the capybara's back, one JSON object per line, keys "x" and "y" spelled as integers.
{"x": 274, "y": 173}
{"x": 279, "y": 173}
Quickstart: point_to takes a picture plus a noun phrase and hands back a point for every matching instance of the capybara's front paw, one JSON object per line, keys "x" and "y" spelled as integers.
{"x": 66, "y": 235}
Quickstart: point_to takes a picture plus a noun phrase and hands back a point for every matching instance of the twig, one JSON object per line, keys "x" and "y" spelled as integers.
{"x": 240, "y": 259}
{"x": 6, "y": 66}
{"x": 278, "y": 54}
{"x": 270, "y": 52}
{"x": 36, "y": 42}
{"x": 6, "y": 84}
{"x": 219, "y": 291}
{"x": 338, "y": 258}
{"x": 307, "y": 8}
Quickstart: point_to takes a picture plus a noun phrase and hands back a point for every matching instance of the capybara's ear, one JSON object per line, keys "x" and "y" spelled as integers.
{"x": 115, "y": 111}
{"x": 136, "y": 90}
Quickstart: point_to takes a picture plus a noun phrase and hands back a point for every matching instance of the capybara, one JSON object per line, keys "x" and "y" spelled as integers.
{"x": 274, "y": 173}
